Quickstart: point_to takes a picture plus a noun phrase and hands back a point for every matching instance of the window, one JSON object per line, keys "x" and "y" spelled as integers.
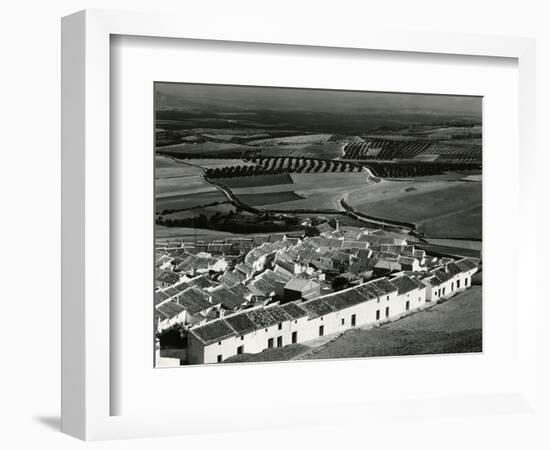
{"x": 219, "y": 358}
{"x": 452, "y": 286}
{"x": 295, "y": 321}
{"x": 353, "y": 320}
{"x": 443, "y": 291}
{"x": 377, "y": 300}
{"x": 458, "y": 284}
{"x": 387, "y": 311}
{"x": 321, "y": 330}
{"x": 321, "y": 318}
{"x": 266, "y": 330}
{"x": 240, "y": 349}
{"x": 280, "y": 341}
{"x": 378, "y": 315}
{"x": 270, "y": 343}
{"x": 343, "y": 321}
{"x": 294, "y": 337}
{"x": 388, "y": 298}
{"x": 242, "y": 338}
{"x": 219, "y": 342}
{"x": 407, "y": 306}
{"x": 280, "y": 326}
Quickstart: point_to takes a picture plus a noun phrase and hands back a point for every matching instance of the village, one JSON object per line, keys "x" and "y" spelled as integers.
{"x": 240, "y": 295}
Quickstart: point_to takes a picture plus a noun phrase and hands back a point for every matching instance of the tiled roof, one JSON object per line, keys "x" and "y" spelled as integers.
{"x": 316, "y": 308}
{"x": 361, "y": 265}
{"x": 466, "y": 264}
{"x": 201, "y": 282}
{"x": 169, "y": 309}
{"x": 167, "y": 277}
{"x": 262, "y": 318}
{"x": 404, "y": 284}
{"x": 354, "y": 244}
{"x": 194, "y": 300}
{"x": 293, "y": 310}
{"x": 231, "y": 278}
{"x": 160, "y": 297}
{"x": 213, "y": 331}
{"x": 241, "y": 323}
{"x": 384, "y": 285}
{"x": 453, "y": 268}
{"x": 344, "y": 299}
{"x": 406, "y": 260}
{"x": 299, "y": 284}
{"x": 226, "y": 297}
{"x": 241, "y": 290}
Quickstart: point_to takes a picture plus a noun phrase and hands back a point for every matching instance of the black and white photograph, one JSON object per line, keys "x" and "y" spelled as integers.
{"x": 300, "y": 224}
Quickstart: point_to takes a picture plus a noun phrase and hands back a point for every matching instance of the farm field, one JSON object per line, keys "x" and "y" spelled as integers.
{"x": 203, "y": 148}
{"x": 270, "y": 198}
{"x": 189, "y": 200}
{"x": 329, "y": 150}
{"x": 179, "y": 185}
{"x": 289, "y": 140}
{"x": 223, "y": 208}
{"x": 461, "y": 243}
{"x": 464, "y": 224}
{"x": 439, "y": 209}
{"x": 209, "y": 163}
{"x": 189, "y": 234}
{"x": 256, "y": 181}
{"x": 321, "y": 191}
{"x": 168, "y": 168}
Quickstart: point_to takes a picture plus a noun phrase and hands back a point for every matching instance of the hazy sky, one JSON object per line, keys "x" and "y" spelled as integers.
{"x": 238, "y": 98}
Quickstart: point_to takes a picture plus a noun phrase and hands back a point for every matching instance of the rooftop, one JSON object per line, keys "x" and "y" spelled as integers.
{"x": 169, "y": 309}
{"x": 194, "y": 300}
{"x": 404, "y": 284}
{"x": 226, "y": 297}
{"x": 293, "y": 310}
{"x": 213, "y": 331}
{"x": 300, "y": 284}
{"x": 316, "y": 308}
{"x": 241, "y": 323}
{"x": 262, "y": 318}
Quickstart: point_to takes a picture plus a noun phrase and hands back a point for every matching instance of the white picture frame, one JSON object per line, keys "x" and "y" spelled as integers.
{"x": 86, "y": 245}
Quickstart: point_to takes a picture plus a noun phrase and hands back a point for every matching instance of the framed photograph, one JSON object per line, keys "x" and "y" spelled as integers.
{"x": 254, "y": 212}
